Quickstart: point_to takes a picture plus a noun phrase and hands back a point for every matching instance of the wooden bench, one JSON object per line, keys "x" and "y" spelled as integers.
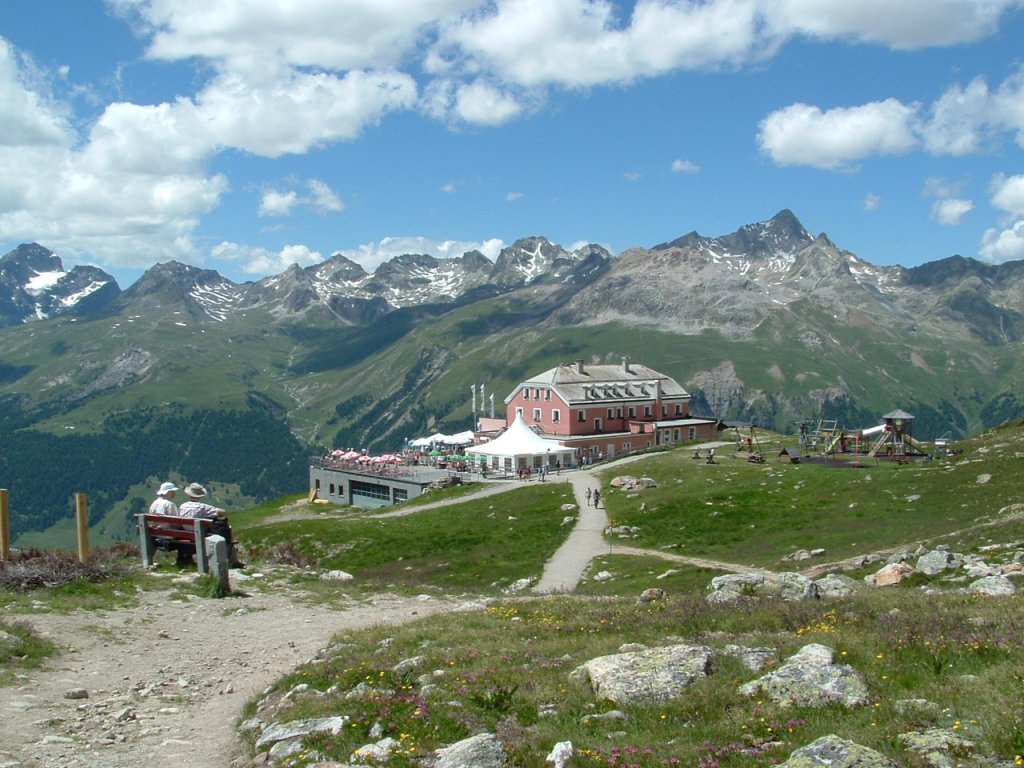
{"x": 186, "y": 535}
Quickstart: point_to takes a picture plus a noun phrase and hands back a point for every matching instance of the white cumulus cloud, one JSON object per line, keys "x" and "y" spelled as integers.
{"x": 1002, "y": 245}
{"x": 261, "y": 261}
{"x": 951, "y": 212}
{"x": 684, "y": 166}
{"x": 274, "y": 203}
{"x": 1008, "y": 194}
{"x": 838, "y": 138}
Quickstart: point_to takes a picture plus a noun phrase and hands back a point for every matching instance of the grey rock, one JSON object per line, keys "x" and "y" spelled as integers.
{"x": 934, "y": 563}
{"x": 796, "y": 586}
{"x": 833, "y": 752}
{"x": 937, "y": 747}
{"x": 994, "y": 586}
{"x": 651, "y": 595}
{"x": 484, "y": 750}
{"x": 379, "y": 752}
{"x": 76, "y": 693}
{"x": 652, "y": 675}
{"x": 406, "y": 665}
{"x": 810, "y": 678}
{"x": 836, "y": 586}
{"x": 754, "y": 659}
{"x": 299, "y": 729}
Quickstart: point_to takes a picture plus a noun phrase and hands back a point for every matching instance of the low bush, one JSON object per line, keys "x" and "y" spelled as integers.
{"x": 43, "y": 568}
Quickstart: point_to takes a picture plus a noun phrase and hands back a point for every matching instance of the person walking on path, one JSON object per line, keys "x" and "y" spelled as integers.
{"x": 597, "y": 497}
{"x": 563, "y": 570}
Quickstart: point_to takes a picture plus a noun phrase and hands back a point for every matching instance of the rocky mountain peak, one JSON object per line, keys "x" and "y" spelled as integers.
{"x": 34, "y": 286}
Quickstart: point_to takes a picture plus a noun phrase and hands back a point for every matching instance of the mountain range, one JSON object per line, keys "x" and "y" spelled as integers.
{"x": 770, "y": 324}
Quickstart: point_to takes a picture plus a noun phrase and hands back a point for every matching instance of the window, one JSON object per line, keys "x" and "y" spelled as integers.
{"x": 676, "y": 435}
{"x": 526, "y": 393}
{"x": 536, "y": 394}
{"x": 519, "y": 411}
{"x": 618, "y": 412}
{"x": 556, "y": 415}
{"x": 632, "y": 412}
{"x": 581, "y": 414}
{"x": 647, "y": 411}
{"x": 536, "y": 414}
{"x": 611, "y": 413}
{"x": 547, "y": 394}
{"x": 627, "y": 447}
{"x": 332, "y": 489}
{"x": 679, "y": 409}
{"x": 664, "y": 410}
{"x": 693, "y": 433}
{"x": 597, "y": 425}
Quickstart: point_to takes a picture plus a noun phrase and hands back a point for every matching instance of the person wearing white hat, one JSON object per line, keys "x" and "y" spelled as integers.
{"x": 164, "y": 502}
{"x": 196, "y": 508}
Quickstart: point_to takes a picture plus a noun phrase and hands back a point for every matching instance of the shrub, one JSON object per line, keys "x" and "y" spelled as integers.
{"x": 41, "y": 568}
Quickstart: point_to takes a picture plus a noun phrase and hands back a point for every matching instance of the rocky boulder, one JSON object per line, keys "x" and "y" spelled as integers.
{"x": 736, "y": 586}
{"x": 934, "y": 563}
{"x": 811, "y": 678}
{"x": 650, "y": 675}
{"x": 833, "y": 752}
{"x": 836, "y": 586}
{"x": 994, "y": 586}
{"x": 484, "y": 750}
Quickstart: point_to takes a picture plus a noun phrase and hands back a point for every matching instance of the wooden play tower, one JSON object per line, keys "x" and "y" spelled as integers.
{"x": 895, "y": 437}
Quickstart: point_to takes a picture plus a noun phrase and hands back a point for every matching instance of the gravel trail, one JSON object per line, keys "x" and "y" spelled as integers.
{"x": 167, "y": 679}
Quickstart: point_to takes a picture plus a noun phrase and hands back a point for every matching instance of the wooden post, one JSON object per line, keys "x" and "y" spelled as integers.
{"x": 5, "y": 528}
{"x": 82, "y": 519}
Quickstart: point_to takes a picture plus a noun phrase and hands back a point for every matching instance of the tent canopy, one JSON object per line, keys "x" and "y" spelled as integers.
{"x": 520, "y": 440}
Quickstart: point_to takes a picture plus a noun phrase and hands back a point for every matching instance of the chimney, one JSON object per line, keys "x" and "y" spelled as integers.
{"x": 579, "y": 366}
{"x": 625, "y": 365}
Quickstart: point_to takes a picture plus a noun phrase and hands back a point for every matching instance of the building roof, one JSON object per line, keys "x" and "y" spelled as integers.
{"x": 577, "y": 383}
{"x": 898, "y": 414}
{"x": 518, "y": 440}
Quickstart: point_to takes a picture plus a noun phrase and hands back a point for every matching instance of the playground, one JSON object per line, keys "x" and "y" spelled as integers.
{"x": 826, "y": 442}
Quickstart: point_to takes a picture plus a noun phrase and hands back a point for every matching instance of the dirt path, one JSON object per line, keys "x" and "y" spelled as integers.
{"x": 167, "y": 679}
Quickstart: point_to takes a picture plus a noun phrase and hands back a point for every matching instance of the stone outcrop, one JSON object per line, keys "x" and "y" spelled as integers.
{"x": 833, "y": 752}
{"x": 811, "y": 678}
{"x": 650, "y": 675}
{"x": 484, "y": 750}
{"x": 737, "y": 586}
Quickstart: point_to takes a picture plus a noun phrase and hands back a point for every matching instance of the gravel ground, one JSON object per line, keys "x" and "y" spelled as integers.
{"x": 164, "y": 681}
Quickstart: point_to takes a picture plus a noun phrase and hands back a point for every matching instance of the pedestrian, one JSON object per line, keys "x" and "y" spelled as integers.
{"x": 196, "y": 508}
{"x": 597, "y": 498}
{"x": 558, "y": 467}
{"x": 164, "y": 504}
{"x": 588, "y": 496}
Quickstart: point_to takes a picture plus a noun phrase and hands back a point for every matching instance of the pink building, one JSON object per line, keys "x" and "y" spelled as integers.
{"x": 605, "y": 410}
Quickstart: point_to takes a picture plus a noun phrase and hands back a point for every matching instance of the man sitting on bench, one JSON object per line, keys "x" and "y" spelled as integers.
{"x": 195, "y": 508}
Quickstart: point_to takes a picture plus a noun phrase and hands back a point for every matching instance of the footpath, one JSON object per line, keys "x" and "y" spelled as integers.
{"x": 162, "y": 682}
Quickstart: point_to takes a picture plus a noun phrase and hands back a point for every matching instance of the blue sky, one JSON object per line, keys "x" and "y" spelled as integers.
{"x": 245, "y": 135}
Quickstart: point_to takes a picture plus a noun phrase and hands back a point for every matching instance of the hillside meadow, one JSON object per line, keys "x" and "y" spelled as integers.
{"x": 505, "y": 666}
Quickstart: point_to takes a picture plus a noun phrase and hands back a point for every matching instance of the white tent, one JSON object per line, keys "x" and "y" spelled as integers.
{"x": 461, "y": 438}
{"x": 437, "y": 438}
{"x": 519, "y": 447}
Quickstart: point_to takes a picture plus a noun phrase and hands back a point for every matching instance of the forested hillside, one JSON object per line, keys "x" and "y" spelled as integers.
{"x": 43, "y": 471}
